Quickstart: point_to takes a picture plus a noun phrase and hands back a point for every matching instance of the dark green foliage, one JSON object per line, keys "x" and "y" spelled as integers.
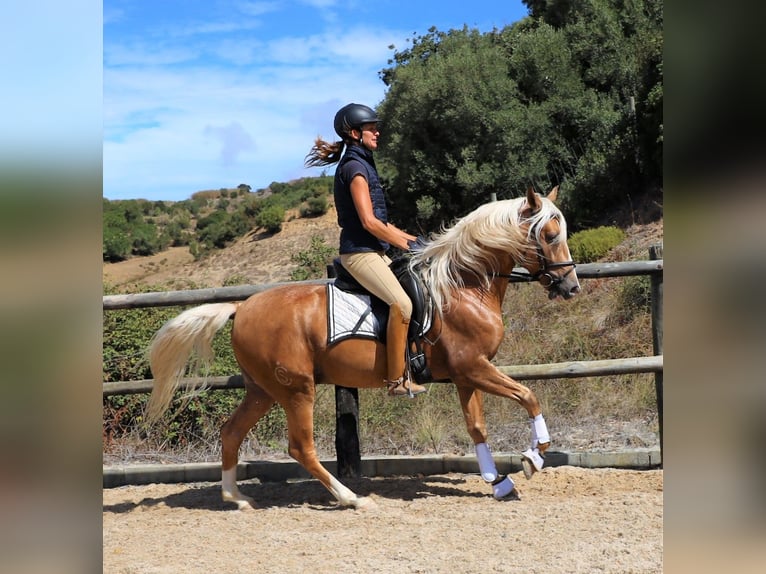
{"x": 126, "y": 230}
{"x": 116, "y": 244}
{"x": 221, "y": 227}
{"x": 592, "y": 244}
{"x": 571, "y": 95}
{"x": 127, "y": 334}
{"x": 633, "y": 298}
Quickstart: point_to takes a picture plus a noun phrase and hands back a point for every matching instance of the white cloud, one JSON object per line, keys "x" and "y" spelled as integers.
{"x": 258, "y": 8}
{"x": 216, "y": 109}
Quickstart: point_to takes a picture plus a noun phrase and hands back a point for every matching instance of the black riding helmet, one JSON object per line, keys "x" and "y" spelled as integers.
{"x": 352, "y": 116}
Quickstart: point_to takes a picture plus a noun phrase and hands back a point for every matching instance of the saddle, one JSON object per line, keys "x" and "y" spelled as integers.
{"x": 422, "y": 312}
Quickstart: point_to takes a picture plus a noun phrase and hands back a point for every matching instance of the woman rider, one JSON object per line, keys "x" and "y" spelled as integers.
{"x": 366, "y": 234}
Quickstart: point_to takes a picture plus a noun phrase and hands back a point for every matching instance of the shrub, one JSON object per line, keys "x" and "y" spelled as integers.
{"x": 592, "y": 244}
{"x": 633, "y": 298}
{"x": 145, "y": 240}
{"x": 271, "y": 218}
{"x": 314, "y": 207}
{"x": 312, "y": 262}
{"x": 116, "y": 245}
{"x": 126, "y": 336}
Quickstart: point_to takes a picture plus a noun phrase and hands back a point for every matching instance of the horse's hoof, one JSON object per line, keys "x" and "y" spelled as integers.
{"x": 242, "y": 502}
{"x": 511, "y": 496}
{"x": 245, "y": 505}
{"x": 527, "y": 467}
{"x": 531, "y": 462}
{"x": 365, "y": 503}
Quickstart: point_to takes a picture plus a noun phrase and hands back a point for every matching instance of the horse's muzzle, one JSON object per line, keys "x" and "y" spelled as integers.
{"x": 565, "y": 292}
{"x": 566, "y": 284}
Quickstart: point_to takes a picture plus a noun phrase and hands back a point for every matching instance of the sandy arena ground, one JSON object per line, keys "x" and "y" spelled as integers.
{"x": 568, "y": 520}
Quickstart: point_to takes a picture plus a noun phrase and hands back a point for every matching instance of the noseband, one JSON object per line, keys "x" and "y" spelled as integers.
{"x": 543, "y": 274}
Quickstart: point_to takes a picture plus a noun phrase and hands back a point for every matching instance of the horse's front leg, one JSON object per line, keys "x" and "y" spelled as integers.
{"x": 472, "y": 403}
{"x": 487, "y": 378}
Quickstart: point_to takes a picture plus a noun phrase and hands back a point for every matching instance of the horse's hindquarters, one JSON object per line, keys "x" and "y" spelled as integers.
{"x": 277, "y": 332}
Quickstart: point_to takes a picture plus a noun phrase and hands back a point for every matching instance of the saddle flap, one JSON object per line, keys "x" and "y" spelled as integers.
{"x": 413, "y": 286}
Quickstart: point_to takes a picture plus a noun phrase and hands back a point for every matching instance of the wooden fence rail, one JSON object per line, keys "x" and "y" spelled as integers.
{"x": 565, "y": 370}
{"x": 347, "y": 399}
{"x": 240, "y": 292}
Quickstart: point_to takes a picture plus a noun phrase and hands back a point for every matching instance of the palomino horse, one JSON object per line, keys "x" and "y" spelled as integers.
{"x": 279, "y": 338}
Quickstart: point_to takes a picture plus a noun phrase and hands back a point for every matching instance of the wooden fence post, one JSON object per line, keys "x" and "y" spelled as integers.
{"x": 347, "y": 449}
{"x": 655, "y": 252}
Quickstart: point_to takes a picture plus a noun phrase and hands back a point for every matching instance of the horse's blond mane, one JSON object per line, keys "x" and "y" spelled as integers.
{"x": 471, "y": 245}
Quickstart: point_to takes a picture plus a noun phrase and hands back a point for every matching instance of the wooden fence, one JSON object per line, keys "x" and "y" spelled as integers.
{"x": 347, "y": 405}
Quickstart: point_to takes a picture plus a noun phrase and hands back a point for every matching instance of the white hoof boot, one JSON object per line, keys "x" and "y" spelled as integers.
{"x": 504, "y": 489}
{"x": 531, "y": 462}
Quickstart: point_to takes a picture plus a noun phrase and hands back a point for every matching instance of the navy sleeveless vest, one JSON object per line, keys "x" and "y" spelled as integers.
{"x": 353, "y": 237}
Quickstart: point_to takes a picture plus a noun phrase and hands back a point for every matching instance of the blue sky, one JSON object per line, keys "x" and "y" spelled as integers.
{"x": 210, "y": 94}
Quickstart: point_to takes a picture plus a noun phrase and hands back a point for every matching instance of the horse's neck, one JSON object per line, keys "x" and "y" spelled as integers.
{"x": 499, "y": 287}
{"x": 500, "y": 282}
{"x": 477, "y": 289}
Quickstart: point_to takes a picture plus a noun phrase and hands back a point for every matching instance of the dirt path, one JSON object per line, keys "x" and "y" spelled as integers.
{"x": 569, "y": 520}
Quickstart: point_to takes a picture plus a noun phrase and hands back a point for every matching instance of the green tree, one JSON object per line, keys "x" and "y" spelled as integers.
{"x": 314, "y": 206}
{"x": 116, "y": 244}
{"x": 442, "y": 136}
{"x": 571, "y": 95}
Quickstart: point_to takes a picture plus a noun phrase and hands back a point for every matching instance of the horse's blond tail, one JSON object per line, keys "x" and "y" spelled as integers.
{"x": 171, "y": 348}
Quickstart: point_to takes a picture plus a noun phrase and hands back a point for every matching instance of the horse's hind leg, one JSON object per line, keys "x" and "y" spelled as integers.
{"x": 255, "y": 404}
{"x": 300, "y": 426}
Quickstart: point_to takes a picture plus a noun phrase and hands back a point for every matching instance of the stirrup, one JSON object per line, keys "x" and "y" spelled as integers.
{"x": 402, "y": 387}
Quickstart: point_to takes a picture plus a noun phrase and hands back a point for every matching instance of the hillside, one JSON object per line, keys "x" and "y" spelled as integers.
{"x": 259, "y": 258}
{"x": 255, "y": 258}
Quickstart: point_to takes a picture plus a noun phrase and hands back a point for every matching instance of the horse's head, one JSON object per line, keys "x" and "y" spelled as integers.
{"x": 548, "y": 259}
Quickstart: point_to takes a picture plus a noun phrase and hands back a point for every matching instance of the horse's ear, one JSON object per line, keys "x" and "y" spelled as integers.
{"x": 533, "y": 200}
{"x": 553, "y": 194}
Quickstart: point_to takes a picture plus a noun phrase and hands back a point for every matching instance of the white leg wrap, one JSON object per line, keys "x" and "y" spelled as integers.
{"x": 539, "y": 431}
{"x": 486, "y": 463}
{"x": 503, "y": 488}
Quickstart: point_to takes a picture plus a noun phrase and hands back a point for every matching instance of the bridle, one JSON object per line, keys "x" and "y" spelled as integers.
{"x": 543, "y": 274}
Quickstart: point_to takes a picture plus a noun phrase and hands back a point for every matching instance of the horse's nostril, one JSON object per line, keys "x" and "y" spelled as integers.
{"x": 575, "y": 289}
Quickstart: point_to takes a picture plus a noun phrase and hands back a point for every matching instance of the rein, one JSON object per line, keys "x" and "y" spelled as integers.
{"x": 545, "y": 278}
{"x": 542, "y": 275}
